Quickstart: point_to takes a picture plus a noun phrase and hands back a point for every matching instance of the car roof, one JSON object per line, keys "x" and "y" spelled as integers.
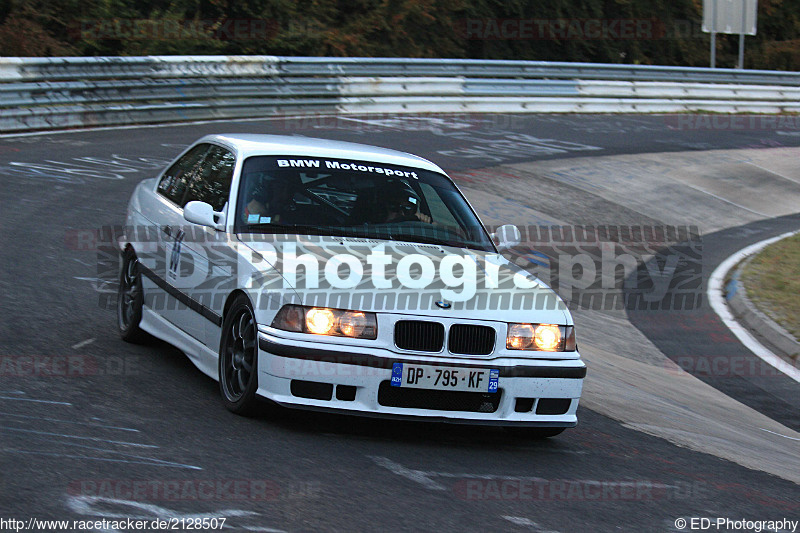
{"x": 250, "y": 144}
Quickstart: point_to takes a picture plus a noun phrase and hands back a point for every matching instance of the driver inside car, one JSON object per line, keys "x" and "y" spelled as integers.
{"x": 403, "y": 204}
{"x": 269, "y": 201}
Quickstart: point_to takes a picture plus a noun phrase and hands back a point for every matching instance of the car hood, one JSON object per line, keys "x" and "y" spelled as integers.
{"x": 404, "y": 278}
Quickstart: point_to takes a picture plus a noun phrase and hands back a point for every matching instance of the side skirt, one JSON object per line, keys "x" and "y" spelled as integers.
{"x": 199, "y": 354}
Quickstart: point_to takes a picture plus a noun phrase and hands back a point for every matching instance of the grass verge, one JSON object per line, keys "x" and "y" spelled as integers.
{"x": 772, "y": 280}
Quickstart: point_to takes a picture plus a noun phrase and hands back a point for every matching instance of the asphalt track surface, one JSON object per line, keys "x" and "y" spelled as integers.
{"x": 74, "y": 447}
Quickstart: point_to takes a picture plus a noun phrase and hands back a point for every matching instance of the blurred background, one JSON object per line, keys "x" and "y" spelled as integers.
{"x": 658, "y": 32}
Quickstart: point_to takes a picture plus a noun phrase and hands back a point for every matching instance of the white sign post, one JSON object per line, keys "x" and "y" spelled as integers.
{"x": 732, "y": 17}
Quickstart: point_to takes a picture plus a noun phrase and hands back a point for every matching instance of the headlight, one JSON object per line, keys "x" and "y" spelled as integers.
{"x": 541, "y": 337}
{"x": 324, "y": 321}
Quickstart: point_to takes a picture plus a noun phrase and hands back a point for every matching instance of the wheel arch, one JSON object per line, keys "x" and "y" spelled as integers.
{"x": 230, "y": 299}
{"x": 124, "y": 250}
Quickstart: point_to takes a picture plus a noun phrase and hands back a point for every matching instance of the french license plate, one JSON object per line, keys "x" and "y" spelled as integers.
{"x": 445, "y": 378}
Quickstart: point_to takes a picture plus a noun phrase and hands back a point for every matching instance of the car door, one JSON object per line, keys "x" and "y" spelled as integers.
{"x": 172, "y": 189}
{"x": 205, "y": 266}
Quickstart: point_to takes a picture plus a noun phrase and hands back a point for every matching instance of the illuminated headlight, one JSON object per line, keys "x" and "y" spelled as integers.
{"x": 541, "y": 337}
{"x": 324, "y": 321}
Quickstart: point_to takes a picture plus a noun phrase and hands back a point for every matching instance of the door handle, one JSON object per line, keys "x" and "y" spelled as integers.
{"x": 167, "y": 230}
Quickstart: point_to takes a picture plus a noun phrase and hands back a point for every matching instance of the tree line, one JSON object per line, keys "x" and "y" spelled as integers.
{"x": 656, "y": 32}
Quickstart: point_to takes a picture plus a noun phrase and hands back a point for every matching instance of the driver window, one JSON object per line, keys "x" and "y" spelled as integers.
{"x": 211, "y": 183}
{"x": 175, "y": 181}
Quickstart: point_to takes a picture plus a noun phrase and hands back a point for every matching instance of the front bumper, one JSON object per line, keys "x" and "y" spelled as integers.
{"x": 364, "y": 373}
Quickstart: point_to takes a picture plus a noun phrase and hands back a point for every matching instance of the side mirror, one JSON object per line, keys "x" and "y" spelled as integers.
{"x": 506, "y": 237}
{"x": 203, "y": 214}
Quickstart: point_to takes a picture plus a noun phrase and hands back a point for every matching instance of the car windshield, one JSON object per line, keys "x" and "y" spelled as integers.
{"x": 319, "y": 196}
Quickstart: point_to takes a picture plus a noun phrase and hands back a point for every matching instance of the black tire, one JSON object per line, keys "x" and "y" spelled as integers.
{"x": 130, "y": 299}
{"x": 238, "y": 358}
{"x": 528, "y": 433}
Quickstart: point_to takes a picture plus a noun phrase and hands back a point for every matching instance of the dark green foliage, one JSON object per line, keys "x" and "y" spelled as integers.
{"x": 667, "y": 32}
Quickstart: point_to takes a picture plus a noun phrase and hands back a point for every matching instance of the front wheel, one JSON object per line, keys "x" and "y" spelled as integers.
{"x": 238, "y": 358}
{"x": 130, "y": 299}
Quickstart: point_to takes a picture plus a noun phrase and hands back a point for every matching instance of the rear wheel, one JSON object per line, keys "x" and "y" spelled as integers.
{"x": 130, "y": 299}
{"x": 534, "y": 433}
{"x": 238, "y": 358}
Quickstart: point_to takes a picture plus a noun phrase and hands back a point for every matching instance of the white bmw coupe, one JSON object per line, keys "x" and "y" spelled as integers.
{"x": 337, "y": 276}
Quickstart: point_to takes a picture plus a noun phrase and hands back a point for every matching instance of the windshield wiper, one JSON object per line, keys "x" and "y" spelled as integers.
{"x": 360, "y": 233}
{"x": 427, "y": 240}
{"x": 271, "y": 227}
{"x": 302, "y": 229}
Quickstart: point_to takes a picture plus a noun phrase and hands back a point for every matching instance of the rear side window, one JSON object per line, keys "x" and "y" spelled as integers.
{"x": 211, "y": 182}
{"x": 176, "y": 179}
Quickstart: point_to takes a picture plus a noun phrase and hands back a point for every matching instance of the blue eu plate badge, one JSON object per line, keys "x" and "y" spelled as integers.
{"x": 397, "y": 374}
{"x": 494, "y": 377}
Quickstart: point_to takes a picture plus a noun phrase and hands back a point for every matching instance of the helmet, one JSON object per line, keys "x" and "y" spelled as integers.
{"x": 258, "y": 189}
{"x": 401, "y": 197}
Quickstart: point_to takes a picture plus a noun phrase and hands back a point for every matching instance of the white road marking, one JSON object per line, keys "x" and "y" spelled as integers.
{"x": 787, "y": 178}
{"x": 81, "y": 262}
{"x": 522, "y": 521}
{"x": 83, "y": 343}
{"x": 146, "y": 461}
{"x": 418, "y": 476}
{"x": 762, "y": 215}
{"x": 716, "y": 298}
{"x": 78, "y": 437}
{"x": 778, "y": 434}
{"x": 36, "y": 401}
{"x": 100, "y": 285}
{"x": 460, "y": 475}
{"x": 426, "y": 478}
{"x": 91, "y": 506}
{"x": 164, "y": 125}
{"x": 151, "y": 461}
{"x": 96, "y": 280}
{"x": 104, "y": 426}
{"x": 413, "y": 123}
